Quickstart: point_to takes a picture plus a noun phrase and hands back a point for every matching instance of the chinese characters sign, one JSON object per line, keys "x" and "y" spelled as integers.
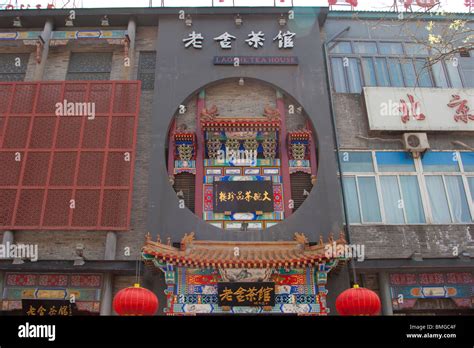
{"x": 256, "y": 40}
{"x": 243, "y": 196}
{"x": 420, "y": 109}
{"x": 246, "y": 294}
{"x": 48, "y": 308}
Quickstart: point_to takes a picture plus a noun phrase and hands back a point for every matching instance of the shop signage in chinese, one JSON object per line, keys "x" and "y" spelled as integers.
{"x": 246, "y": 294}
{"x": 48, "y": 307}
{"x": 252, "y": 60}
{"x": 420, "y": 109}
{"x": 256, "y": 40}
{"x": 243, "y": 196}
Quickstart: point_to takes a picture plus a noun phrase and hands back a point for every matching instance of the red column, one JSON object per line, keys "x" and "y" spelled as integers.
{"x": 171, "y": 148}
{"x": 285, "y": 172}
{"x": 200, "y": 104}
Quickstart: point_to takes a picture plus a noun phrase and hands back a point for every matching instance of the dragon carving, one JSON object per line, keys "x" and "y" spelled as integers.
{"x": 209, "y": 114}
{"x": 271, "y": 113}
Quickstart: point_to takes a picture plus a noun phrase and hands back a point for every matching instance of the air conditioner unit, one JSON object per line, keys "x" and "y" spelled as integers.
{"x": 416, "y": 143}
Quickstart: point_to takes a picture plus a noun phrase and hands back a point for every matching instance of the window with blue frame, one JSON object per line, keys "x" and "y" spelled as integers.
{"x": 391, "y": 187}
{"x": 371, "y": 63}
{"x": 360, "y": 190}
{"x": 445, "y": 187}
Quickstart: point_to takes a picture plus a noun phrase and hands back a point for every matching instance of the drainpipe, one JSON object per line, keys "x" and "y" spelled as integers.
{"x": 336, "y": 139}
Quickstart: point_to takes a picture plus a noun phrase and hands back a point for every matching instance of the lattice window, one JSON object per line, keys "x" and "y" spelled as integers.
{"x": 89, "y": 66}
{"x": 146, "y": 69}
{"x": 300, "y": 188}
{"x": 67, "y": 172}
{"x": 184, "y": 185}
{"x": 13, "y": 66}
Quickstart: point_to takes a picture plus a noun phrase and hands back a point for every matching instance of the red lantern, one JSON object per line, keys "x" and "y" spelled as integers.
{"x": 358, "y": 301}
{"x": 135, "y": 300}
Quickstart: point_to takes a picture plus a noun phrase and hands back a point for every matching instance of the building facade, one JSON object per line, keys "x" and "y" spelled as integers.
{"x": 210, "y": 145}
{"x": 405, "y": 149}
{"x": 196, "y": 140}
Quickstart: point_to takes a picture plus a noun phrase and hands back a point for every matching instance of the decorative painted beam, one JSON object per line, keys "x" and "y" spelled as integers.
{"x": 198, "y": 197}
{"x": 285, "y": 172}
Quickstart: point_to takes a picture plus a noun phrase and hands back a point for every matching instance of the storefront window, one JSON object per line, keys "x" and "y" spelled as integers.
{"x": 438, "y": 192}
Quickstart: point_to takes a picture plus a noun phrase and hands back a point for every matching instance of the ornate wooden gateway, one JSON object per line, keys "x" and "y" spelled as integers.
{"x": 205, "y": 277}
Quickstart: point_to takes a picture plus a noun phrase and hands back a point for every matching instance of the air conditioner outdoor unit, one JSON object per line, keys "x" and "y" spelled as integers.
{"x": 416, "y": 143}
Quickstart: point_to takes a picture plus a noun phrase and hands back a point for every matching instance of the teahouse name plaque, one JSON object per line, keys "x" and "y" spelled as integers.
{"x": 255, "y": 60}
{"x": 246, "y": 294}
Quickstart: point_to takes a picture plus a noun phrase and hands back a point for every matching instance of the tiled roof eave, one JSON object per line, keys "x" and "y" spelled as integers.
{"x": 218, "y": 254}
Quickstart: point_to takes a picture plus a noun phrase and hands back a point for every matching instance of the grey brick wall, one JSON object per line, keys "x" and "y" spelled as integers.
{"x": 58, "y": 58}
{"x": 296, "y": 120}
{"x": 392, "y": 241}
{"x": 60, "y": 245}
{"x": 233, "y": 100}
{"x": 188, "y": 118}
{"x": 351, "y": 121}
{"x": 134, "y": 239}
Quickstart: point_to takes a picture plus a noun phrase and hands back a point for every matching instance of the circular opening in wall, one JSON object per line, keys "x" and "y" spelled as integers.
{"x": 241, "y": 156}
